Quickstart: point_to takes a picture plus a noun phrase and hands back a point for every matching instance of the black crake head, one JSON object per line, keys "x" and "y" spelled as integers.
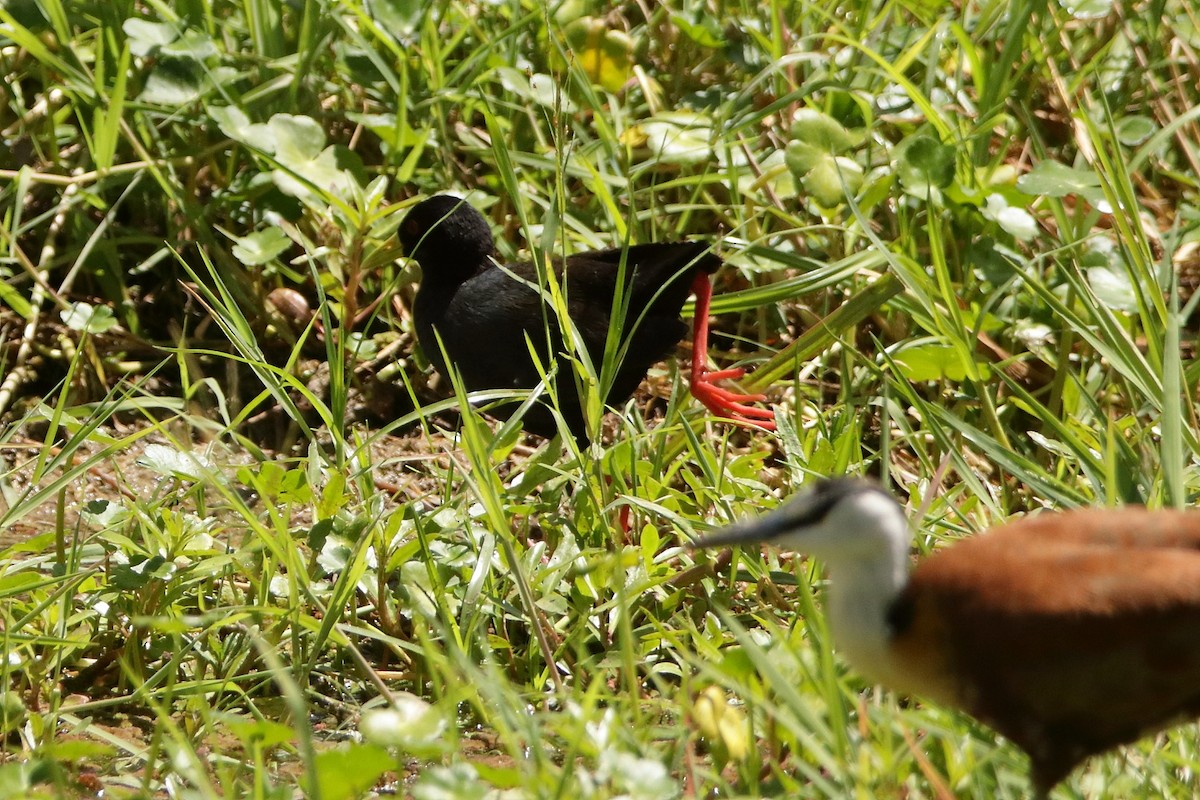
{"x": 447, "y": 237}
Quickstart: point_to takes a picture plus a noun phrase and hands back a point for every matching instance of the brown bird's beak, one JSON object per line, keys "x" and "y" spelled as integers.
{"x": 793, "y": 519}
{"x": 746, "y": 532}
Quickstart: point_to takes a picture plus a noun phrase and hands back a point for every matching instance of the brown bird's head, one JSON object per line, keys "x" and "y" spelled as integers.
{"x": 835, "y": 519}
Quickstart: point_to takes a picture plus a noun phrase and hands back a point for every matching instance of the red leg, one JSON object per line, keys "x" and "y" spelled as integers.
{"x": 719, "y": 400}
{"x": 623, "y": 513}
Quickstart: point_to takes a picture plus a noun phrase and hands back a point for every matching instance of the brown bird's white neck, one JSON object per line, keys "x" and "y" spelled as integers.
{"x": 861, "y": 594}
{"x": 867, "y": 572}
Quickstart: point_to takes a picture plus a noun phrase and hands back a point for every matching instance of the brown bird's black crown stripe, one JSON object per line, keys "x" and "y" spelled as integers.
{"x": 488, "y": 316}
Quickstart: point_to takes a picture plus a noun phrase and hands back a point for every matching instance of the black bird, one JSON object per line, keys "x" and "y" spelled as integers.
{"x": 489, "y": 316}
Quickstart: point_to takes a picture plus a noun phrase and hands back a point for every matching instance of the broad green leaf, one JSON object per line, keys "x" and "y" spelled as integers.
{"x": 802, "y": 157}
{"x": 234, "y": 123}
{"x": 930, "y": 362}
{"x": 1016, "y": 221}
{"x": 145, "y": 37}
{"x": 700, "y": 26}
{"x": 409, "y": 723}
{"x": 350, "y": 770}
{"x": 398, "y": 17}
{"x": 1133, "y": 130}
{"x": 813, "y": 157}
{"x": 823, "y": 132}
{"x": 455, "y": 782}
{"x": 261, "y": 247}
{"x": 298, "y": 139}
{"x": 173, "y": 82}
{"x": 85, "y": 317}
{"x": 776, "y": 175}
{"x": 12, "y": 711}
{"x": 263, "y": 733}
{"x": 1087, "y": 9}
{"x": 308, "y": 170}
{"x": 140, "y": 571}
{"x": 1113, "y": 288}
{"x": 545, "y": 91}
{"x": 924, "y": 164}
{"x": 172, "y": 463}
{"x": 192, "y": 44}
{"x": 1052, "y": 179}
{"x": 831, "y": 179}
{"x": 674, "y": 137}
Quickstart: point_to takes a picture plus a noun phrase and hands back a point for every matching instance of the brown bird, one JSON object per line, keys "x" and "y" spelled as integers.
{"x": 1070, "y": 633}
{"x": 499, "y": 332}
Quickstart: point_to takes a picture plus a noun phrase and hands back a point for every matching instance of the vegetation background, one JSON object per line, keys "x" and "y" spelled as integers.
{"x": 250, "y": 549}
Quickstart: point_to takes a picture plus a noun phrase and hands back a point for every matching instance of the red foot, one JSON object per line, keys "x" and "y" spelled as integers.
{"x": 623, "y": 518}
{"x": 623, "y": 513}
{"x": 723, "y": 402}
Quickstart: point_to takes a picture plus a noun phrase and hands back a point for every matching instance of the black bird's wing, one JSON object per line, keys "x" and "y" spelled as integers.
{"x": 657, "y": 277}
{"x": 492, "y": 321}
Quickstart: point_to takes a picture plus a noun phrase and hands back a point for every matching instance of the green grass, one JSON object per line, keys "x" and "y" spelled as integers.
{"x": 961, "y": 247}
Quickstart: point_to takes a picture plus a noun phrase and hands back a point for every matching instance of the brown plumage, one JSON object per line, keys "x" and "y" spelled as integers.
{"x": 1070, "y": 633}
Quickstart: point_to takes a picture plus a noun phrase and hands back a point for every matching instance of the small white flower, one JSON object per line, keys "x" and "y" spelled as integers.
{"x": 201, "y": 542}
{"x": 382, "y": 726}
{"x": 410, "y": 721}
{"x": 600, "y": 731}
{"x": 641, "y": 778}
{"x": 1034, "y": 334}
{"x": 1113, "y": 288}
{"x": 1016, "y": 221}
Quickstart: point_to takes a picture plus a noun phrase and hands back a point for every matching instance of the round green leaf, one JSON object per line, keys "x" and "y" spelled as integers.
{"x": 410, "y": 724}
{"x": 674, "y": 137}
{"x": 1133, "y": 130}
{"x": 173, "y": 82}
{"x": 823, "y": 132}
{"x": 260, "y": 247}
{"x": 1053, "y": 179}
{"x": 1113, "y": 288}
{"x": 832, "y": 179}
{"x": 146, "y": 37}
{"x": 924, "y": 163}
{"x": 1087, "y": 9}
{"x": 350, "y": 770}
{"x": 83, "y": 316}
{"x": 455, "y": 782}
{"x": 930, "y": 362}
{"x": 802, "y": 157}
